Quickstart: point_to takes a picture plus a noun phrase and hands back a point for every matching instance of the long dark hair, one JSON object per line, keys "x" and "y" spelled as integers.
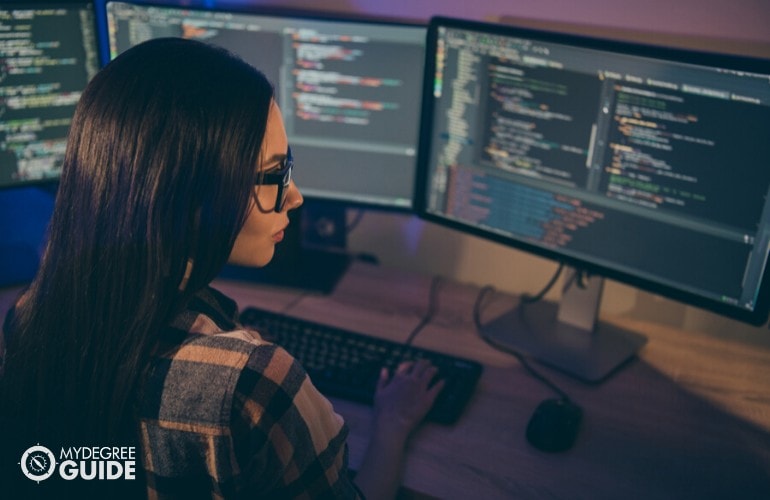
{"x": 160, "y": 164}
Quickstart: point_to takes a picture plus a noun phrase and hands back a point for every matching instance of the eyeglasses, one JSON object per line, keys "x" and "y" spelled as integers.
{"x": 280, "y": 178}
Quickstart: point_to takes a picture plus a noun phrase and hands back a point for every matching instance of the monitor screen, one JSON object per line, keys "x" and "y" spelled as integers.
{"x": 644, "y": 165}
{"x": 49, "y": 53}
{"x": 349, "y": 89}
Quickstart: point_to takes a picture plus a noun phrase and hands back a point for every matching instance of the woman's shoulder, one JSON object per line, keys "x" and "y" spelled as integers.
{"x": 202, "y": 372}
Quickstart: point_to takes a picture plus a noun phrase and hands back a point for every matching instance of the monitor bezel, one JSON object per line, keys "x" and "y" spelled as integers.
{"x": 761, "y": 310}
{"x": 302, "y": 14}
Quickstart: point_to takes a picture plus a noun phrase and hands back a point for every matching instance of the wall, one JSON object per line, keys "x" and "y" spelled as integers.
{"x": 738, "y": 26}
{"x": 742, "y": 21}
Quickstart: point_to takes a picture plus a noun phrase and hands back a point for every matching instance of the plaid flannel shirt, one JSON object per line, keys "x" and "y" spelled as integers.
{"x": 226, "y": 414}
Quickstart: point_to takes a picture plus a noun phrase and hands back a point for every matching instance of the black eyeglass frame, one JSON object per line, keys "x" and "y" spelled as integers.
{"x": 280, "y": 178}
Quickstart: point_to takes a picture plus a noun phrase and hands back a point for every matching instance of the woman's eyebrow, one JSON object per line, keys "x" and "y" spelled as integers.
{"x": 277, "y": 157}
{"x": 275, "y": 162}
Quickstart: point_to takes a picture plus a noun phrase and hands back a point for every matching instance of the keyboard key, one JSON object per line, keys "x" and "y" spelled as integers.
{"x": 346, "y": 364}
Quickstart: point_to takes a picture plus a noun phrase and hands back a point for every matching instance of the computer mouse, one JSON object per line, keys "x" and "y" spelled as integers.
{"x": 554, "y": 425}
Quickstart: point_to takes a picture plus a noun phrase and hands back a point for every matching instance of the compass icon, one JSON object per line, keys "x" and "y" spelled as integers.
{"x": 38, "y": 463}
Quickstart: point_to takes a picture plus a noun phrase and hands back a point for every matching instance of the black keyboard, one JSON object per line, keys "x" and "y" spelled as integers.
{"x": 346, "y": 364}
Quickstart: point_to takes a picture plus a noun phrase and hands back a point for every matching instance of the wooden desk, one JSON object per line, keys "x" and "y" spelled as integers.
{"x": 689, "y": 419}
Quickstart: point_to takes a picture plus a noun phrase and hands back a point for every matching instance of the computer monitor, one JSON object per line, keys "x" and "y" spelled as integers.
{"x": 349, "y": 89}
{"x": 350, "y": 92}
{"x": 645, "y": 165}
{"x": 49, "y": 53}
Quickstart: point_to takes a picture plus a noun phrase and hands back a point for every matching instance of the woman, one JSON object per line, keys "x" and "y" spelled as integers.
{"x": 177, "y": 163}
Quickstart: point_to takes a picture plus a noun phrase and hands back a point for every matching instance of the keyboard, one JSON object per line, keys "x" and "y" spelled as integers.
{"x": 346, "y": 364}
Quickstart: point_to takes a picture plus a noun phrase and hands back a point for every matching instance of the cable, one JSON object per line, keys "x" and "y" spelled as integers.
{"x": 296, "y": 300}
{"x": 531, "y": 299}
{"x": 356, "y": 220}
{"x": 579, "y": 278}
{"x": 436, "y": 282}
{"x": 518, "y": 355}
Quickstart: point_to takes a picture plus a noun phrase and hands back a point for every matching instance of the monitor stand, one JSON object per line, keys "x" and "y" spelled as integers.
{"x": 312, "y": 255}
{"x": 568, "y": 336}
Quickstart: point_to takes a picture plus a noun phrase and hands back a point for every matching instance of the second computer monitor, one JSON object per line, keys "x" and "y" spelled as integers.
{"x": 641, "y": 164}
{"x": 349, "y": 90}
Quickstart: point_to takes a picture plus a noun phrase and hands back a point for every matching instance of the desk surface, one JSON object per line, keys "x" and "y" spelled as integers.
{"x": 690, "y": 418}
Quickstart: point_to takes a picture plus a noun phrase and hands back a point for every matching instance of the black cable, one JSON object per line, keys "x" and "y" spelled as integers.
{"x": 356, "y": 220}
{"x": 579, "y": 278}
{"x": 430, "y": 312}
{"x": 531, "y": 299}
{"x": 296, "y": 300}
{"x": 518, "y": 355}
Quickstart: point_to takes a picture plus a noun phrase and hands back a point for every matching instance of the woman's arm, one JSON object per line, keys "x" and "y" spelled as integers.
{"x": 401, "y": 403}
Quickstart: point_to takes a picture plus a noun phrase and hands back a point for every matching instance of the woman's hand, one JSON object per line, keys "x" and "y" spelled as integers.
{"x": 401, "y": 402}
{"x": 403, "y": 399}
